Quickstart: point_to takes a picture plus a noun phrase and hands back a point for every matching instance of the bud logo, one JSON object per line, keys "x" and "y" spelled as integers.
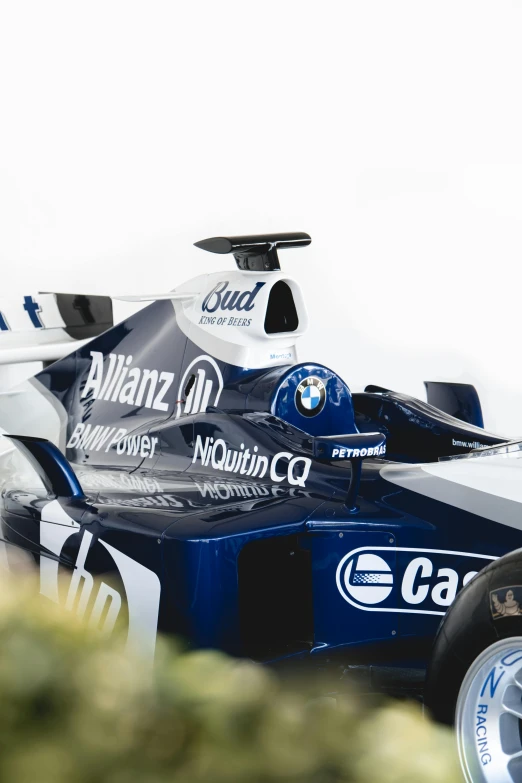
{"x": 399, "y": 578}
{"x": 203, "y": 390}
{"x": 118, "y": 382}
{"x": 221, "y": 299}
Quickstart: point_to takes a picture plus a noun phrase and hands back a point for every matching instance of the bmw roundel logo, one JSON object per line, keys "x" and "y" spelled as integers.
{"x": 310, "y": 396}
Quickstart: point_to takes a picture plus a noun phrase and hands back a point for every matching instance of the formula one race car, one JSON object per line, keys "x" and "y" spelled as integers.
{"x": 221, "y": 491}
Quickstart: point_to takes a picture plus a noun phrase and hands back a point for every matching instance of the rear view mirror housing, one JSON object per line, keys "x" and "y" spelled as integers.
{"x": 359, "y": 445}
{"x": 355, "y": 447}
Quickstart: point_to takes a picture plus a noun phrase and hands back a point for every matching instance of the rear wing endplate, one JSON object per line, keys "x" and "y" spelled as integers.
{"x": 45, "y": 327}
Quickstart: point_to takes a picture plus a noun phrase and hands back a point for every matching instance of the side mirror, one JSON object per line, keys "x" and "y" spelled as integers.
{"x": 355, "y": 447}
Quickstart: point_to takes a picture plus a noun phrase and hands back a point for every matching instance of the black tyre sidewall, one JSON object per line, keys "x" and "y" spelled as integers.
{"x": 467, "y": 629}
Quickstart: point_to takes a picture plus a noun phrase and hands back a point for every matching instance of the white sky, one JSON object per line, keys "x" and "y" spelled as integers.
{"x": 390, "y": 131}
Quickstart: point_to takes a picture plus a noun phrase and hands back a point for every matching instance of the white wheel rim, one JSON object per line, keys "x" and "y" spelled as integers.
{"x": 489, "y": 715}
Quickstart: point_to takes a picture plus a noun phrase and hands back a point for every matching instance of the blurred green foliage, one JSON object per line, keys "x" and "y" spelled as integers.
{"x": 77, "y": 708}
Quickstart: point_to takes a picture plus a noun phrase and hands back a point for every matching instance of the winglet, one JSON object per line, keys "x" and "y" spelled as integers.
{"x": 53, "y": 468}
{"x": 256, "y": 252}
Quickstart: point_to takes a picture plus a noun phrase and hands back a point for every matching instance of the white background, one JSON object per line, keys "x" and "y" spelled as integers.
{"x": 390, "y": 131}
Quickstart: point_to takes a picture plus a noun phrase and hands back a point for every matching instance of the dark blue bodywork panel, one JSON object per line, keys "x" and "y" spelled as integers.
{"x": 199, "y": 484}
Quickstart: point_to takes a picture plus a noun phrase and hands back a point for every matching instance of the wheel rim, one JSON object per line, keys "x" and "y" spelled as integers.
{"x": 489, "y": 715}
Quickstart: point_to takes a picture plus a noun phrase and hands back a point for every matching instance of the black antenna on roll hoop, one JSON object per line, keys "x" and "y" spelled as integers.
{"x": 257, "y": 252}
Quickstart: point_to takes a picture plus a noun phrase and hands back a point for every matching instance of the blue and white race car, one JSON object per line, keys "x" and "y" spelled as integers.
{"x": 191, "y": 476}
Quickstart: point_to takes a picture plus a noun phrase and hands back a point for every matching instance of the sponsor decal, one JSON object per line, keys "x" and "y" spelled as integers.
{"x": 468, "y": 444}
{"x": 220, "y": 300}
{"x": 506, "y": 602}
{"x": 310, "y": 396}
{"x": 116, "y": 381}
{"x": 213, "y": 491}
{"x": 124, "y": 482}
{"x": 371, "y": 451}
{"x": 208, "y": 491}
{"x": 221, "y": 490}
{"x": 33, "y": 310}
{"x": 205, "y": 380}
{"x": 281, "y": 356}
{"x": 94, "y": 438}
{"x": 99, "y": 604}
{"x": 368, "y": 578}
{"x": 152, "y": 496}
{"x": 481, "y": 732}
{"x": 207, "y": 320}
{"x": 406, "y": 580}
{"x": 164, "y": 500}
{"x": 246, "y": 462}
